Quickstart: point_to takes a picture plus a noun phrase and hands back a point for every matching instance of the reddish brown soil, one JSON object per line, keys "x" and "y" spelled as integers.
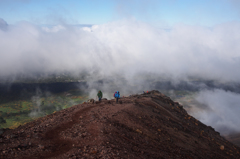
{"x": 141, "y": 126}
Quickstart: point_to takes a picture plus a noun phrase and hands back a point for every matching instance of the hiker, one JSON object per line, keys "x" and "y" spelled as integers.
{"x": 117, "y": 96}
{"x": 99, "y": 95}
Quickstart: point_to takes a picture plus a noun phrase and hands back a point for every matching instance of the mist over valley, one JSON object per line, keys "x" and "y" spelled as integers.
{"x": 214, "y": 103}
{"x": 195, "y": 65}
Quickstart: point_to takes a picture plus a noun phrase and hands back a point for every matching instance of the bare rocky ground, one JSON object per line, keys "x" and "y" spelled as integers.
{"x": 147, "y": 126}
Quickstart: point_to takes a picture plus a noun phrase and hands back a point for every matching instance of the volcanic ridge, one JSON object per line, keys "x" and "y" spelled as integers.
{"x": 149, "y": 125}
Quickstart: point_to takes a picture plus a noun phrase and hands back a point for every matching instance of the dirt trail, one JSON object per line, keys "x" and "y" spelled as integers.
{"x": 53, "y": 137}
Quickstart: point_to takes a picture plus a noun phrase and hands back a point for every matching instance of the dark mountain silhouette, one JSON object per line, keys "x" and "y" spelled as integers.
{"x": 150, "y": 125}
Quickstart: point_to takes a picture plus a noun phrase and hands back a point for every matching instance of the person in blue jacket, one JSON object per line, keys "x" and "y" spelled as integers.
{"x": 117, "y": 96}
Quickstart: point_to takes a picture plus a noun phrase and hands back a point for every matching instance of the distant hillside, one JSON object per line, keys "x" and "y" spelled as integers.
{"x": 234, "y": 138}
{"x": 44, "y": 78}
{"x": 150, "y": 125}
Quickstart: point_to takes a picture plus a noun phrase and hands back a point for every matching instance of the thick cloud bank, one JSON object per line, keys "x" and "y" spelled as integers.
{"x": 123, "y": 47}
{"x": 218, "y": 108}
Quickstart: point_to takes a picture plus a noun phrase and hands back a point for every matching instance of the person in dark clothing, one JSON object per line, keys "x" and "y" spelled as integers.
{"x": 117, "y": 96}
{"x": 99, "y": 95}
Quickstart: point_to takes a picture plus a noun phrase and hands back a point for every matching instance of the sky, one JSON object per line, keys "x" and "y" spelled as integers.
{"x": 158, "y": 39}
{"x": 157, "y": 12}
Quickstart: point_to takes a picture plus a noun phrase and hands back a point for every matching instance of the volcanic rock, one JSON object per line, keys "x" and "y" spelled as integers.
{"x": 150, "y": 125}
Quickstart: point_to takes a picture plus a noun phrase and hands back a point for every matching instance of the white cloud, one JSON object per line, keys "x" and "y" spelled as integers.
{"x": 126, "y": 46}
{"x": 54, "y": 28}
{"x": 221, "y": 112}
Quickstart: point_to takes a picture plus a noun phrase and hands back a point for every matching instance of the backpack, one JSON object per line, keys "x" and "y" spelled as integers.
{"x": 114, "y": 94}
{"x": 117, "y": 94}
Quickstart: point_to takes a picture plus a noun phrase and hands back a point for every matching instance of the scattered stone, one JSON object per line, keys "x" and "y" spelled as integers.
{"x": 139, "y": 131}
{"x": 222, "y": 147}
{"x": 91, "y": 101}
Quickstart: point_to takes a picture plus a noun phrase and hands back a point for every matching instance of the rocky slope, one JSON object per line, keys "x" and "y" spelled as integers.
{"x": 150, "y": 125}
